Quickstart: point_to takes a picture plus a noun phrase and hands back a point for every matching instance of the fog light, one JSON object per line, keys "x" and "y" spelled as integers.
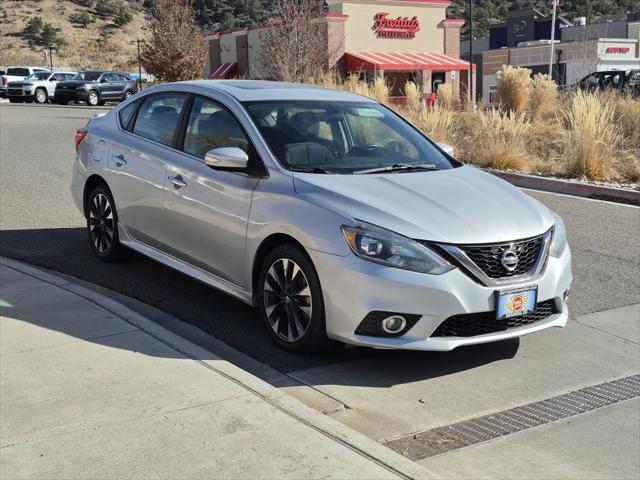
{"x": 394, "y": 324}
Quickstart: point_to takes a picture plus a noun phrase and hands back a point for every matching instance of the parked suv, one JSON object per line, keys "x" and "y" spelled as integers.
{"x": 16, "y": 73}
{"x": 38, "y": 87}
{"x": 330, "y": 213}
{"x": 95, "y": 88}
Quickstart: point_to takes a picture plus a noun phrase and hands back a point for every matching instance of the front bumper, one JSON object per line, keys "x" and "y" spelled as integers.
{"x": 19, "y": 92}
{"x": 78, "y": 95}
{"x": 353, "y": 287}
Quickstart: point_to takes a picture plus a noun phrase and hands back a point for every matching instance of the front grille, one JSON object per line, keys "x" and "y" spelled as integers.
{"x": 473, "y": 324}
{"x": 14, "y": 91}
{"x": 488, "y": 257}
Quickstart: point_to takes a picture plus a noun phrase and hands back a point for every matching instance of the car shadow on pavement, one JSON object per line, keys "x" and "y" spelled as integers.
{"x": 238, "y": 325}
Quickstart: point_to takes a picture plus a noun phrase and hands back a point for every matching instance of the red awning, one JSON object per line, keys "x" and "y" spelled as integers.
{"x": 358, "y": 61}
{"x": 226, "y": 70}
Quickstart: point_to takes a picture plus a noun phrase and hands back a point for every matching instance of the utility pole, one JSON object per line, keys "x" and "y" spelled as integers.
{"x": 51, "y": 56}
{"x": 553, "y": 36}
{"x": 139, "y": 66}
{"x": 471, "y": 90}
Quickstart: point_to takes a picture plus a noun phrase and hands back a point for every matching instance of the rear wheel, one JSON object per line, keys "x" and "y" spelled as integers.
{"x": 40, "y": 96}
{"x": 290, "y": 301}
{"x": 128, "y": 94}
{"x": 93, "y": 98}
{"x": 102, "y": 225}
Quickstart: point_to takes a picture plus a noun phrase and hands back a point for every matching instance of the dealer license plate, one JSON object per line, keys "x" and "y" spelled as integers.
{"x": 516, "y": 302}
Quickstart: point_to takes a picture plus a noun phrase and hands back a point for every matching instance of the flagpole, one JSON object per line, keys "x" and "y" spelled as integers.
{"x": 553, "y": 36}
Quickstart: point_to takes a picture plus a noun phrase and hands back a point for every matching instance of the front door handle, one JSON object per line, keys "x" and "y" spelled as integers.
{"x": 119, "y": 160}
{"x": 177, "y": 181}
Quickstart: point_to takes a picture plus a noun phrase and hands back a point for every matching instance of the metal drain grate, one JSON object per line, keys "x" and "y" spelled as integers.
{"x": 477, "y": 430}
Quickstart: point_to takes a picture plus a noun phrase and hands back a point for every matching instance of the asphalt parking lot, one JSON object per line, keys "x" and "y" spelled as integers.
{"x": 386, "y": 395}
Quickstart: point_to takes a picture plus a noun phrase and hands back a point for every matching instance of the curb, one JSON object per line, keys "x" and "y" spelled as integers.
{"x": 375, "y": 452}
{"x": 595, "y": 192}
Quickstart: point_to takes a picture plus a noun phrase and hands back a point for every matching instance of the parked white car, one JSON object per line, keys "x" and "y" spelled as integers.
{"x": 38, "y": 87}
{"x": 13, "y": 74}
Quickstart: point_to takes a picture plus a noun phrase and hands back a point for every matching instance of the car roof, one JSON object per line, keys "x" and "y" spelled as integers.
{"x": 257, "y": 90}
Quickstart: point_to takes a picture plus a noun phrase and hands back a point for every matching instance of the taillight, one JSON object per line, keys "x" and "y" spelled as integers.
{"x": 4, "y": 80}
{"x": 80, "y": 134}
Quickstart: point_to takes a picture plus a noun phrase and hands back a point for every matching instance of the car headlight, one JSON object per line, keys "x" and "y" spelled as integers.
{"x": 388, "y": 248}
{"x": 559, "y": 240}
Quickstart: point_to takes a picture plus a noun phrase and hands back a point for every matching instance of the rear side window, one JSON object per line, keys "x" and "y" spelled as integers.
{"x": 127, "y": 113}
{"x": 18, "y": 72}
{"x": 158, "y": 117}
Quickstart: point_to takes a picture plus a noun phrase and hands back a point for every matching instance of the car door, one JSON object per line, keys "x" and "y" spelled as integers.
{"x": 138, "y": 158}
{"x": 206, "y": 211}
{"x": 107, "y": 89}
{"x": 53, "y": 80}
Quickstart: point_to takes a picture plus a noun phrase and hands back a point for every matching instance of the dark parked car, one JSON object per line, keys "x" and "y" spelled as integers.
{"x": 611, "y": 80}
{"x": 95, "y": 88}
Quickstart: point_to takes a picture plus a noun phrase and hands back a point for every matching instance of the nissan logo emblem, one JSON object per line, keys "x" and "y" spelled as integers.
{"x": 509, "y": 259}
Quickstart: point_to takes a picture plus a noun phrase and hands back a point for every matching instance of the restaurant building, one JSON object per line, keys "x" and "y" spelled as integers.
{"x": 398, "y": 40}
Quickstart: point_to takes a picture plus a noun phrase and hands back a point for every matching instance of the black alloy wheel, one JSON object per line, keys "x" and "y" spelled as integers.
{"x": 290, "y": 301}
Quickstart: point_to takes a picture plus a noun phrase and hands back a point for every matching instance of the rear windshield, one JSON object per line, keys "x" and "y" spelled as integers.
{"x": 89, "y": 76}
{"x": 18, "y": 72}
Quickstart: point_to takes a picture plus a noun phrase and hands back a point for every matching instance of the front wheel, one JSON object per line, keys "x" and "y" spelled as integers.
{"x": 290, "y": 301}
{"x": 92, "y": 98}
{"x": 128, "y": 94}
{"x": 102, "y": 225}
{"x": 41, "y": 95}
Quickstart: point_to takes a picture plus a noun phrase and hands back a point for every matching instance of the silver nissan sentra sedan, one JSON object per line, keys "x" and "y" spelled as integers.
{"x": 331, "y": 214}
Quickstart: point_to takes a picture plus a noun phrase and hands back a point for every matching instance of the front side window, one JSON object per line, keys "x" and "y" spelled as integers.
{"x": 211, "y": 126}
{"x": 158, "y": 117}
{"x": 88, "y": 76}
{"x": 343, "y": 137}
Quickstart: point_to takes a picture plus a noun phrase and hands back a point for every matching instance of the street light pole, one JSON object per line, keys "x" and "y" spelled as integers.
{"x": 139, "y": 66}
{"x": 471, "y": 90}
{"x": 51, "y": 56}
{"x": 553, "y": 36}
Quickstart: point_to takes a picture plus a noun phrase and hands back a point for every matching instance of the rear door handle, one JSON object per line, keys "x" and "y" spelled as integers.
{"x": 119, "y": 160}
{"x": 177, "y": 181}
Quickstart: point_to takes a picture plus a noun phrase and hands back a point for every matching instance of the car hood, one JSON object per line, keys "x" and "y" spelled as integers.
{"x": 459, "y": 205}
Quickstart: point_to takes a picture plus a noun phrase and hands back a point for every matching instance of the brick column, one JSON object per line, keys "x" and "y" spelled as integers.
{"x": 242, "y": 53}
{"x": 214, "y": 54}
{"x": 335, "y": 33}
{"x": 451, "y": 29}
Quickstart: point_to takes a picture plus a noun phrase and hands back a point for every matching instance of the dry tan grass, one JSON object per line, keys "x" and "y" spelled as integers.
{"x": 415, "y": 100}
{"x": 593, "y": 135}
{"x": 445, "y": 95}
{"x": 543, "y": 98}
{"x": 513, "y": 85}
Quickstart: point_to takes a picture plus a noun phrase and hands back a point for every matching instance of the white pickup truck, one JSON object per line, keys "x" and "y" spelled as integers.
{"x": 12, "y": 74}
{"x": 38, "y": 87}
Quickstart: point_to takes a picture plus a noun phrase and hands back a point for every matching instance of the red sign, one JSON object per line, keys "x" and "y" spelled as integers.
{"x": 399, "y": 27}
{"x": 618, "y": 50}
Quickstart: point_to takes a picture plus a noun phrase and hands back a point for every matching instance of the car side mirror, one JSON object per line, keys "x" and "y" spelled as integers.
{"x": 227, "y": 158}
{"x": 448, "y": 149}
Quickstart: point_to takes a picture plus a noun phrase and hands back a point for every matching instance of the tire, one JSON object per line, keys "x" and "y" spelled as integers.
{"x": 40, "y": 96}
{"x": 295, "y": 321}
{"x": 102, "y": 225}
{"x": 93, "y": 98}
{"x": 128, "y": 94}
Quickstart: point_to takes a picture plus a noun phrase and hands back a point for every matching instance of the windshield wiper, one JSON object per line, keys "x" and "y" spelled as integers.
{"x": 398, "y": 167}
{"x": 311, "y": 170}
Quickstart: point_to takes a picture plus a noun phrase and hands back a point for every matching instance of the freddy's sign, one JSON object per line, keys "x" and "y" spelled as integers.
{"x": 399, "y": 27}
{"x": 618, "y": 50}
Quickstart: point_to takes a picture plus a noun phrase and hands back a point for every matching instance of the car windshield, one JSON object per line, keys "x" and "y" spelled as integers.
{"x": 343, "y": 137}
{"x": 89, "y": 76}
{"x": 39, "y": 76}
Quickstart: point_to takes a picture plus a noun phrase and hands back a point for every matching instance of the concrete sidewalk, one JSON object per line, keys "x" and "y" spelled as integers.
{"x": 90, "y": 389}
